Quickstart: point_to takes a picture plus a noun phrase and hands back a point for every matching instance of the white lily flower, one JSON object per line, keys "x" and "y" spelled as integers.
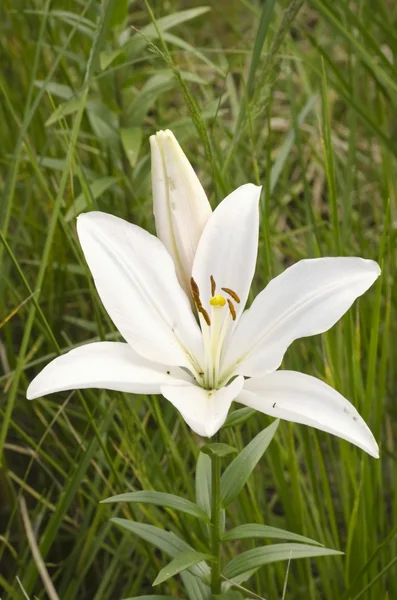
{"x": 180, "y": 205}
{"x": 202, "y": 366}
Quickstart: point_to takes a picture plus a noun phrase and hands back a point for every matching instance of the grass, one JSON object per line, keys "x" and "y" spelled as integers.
{"x": 298, "y": 97}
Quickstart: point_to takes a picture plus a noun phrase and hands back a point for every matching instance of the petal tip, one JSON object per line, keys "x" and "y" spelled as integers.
{"x": 31, "y": 393}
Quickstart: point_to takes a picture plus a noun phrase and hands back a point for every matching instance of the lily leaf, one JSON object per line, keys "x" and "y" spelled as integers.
{"x": 256, "y": 530}
{"x": 203, "y": 483}
{"x": 239, "y": 416}
{"x": 218, "y": 449}
{"x": 257, "y": 557}
{"x": 237, "y": 473}
{"x": 166, "y": 541}
{"x": 183, "y": 561}
{"x": 195, "y": 588}
{"x": 161, "y": 499}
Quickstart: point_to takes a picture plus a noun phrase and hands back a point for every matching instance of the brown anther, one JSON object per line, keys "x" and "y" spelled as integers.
{"x": 232, "y": 294}
{"x": 197, "y": 300}
{"x": 232, "y": 309}
{"x": 194, "y": 287}
{"x": 195, "y": 293}
{"x": 205, "y": 315}
{"x": 213, "y": 286}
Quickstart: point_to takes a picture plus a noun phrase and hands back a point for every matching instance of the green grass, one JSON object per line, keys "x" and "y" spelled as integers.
{"x": 301, "y": 99}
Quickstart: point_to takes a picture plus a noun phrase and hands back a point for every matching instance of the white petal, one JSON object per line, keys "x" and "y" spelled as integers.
{"x": 229, "y": 245}
{"x": 180, "y": 205}
{"x": 204, "y": 411}
{"x": 308, "y": 298}
{"x": 304, "y": 399}
{"x": 135, "y": 278}
{"x": 104, "y": 365}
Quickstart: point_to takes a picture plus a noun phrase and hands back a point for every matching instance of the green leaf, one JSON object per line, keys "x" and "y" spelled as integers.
{"x": 118, "y": 17}
{"x": 229, "y": 596}
{"x": 136, "y": 44}
{"x": 183, "y": 561}
{"x": 239, "y": 416}
{"x": 218, "y": 449}
{"x": 237, "y": 473}
{"x": 97, "y": 188}
{"x": 257, "y": 557}
{"x": 195, "y": 588}
{"x": 131, "y": 140}
{"x": 203, "y": 483}
{"x": 64, "y": 109}
{"x": 161, "y": 499}
{"x": 166, "y": 541}
{"x": 256, "y": 530}
{"x": 155, "y": 597}
{"x": 108, "y": 56}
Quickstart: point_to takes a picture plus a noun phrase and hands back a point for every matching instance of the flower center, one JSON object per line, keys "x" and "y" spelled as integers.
{"x": 215, "y": 325}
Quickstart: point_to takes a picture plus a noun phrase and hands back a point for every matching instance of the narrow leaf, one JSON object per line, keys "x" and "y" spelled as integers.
{"x": 155, "y": 597}
{"x": 136, "y": 43}
{"x": 195, "y": 588}
{"x": 203, "y": 483}
{"x": 218, "y": 449}
{"x": 255, "y": 530}
{"x": 166, "y": 541}
{"x": 237, "y": 473}
{"x": 161, "y": 499}
{"x": 97, "y": 188}
{"x": 183, "y": 561}
{"x": 64, "y": 109}
{"x": 239, "y": 416}
{"x": 131, "y": 139}
{"x": 257, "y": 557}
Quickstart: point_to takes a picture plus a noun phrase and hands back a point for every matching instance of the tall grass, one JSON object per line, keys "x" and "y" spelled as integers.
{"x": 299, "y": 98}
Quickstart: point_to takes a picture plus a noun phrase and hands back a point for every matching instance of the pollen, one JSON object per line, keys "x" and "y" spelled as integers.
{"x": 217, "y": 300}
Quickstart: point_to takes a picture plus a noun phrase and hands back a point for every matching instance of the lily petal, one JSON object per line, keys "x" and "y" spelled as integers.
{"x": 135, "y": 278}
{"x": 204, "y": 411}
{"x": 105, "y": 365}
{"x": 308, "y": 298}
{"x": 304, "y": 399}
{"x": 228, "y": 246}
{"x": 180, "y": 205}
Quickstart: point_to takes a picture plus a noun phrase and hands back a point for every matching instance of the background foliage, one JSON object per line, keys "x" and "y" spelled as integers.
{"x": 299, "y": 97}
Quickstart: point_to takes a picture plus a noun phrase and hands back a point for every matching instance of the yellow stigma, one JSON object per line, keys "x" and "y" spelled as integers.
{"x": 217, "y": 300}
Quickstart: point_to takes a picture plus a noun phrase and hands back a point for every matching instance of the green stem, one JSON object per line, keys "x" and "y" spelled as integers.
{"x": 216, "y": 522}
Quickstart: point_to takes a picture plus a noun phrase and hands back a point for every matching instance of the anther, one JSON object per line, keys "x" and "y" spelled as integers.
{"x": 195, "y": 293}
{"x": 232, "y": 309}
{"x": 232, "y": 294}
{"x": 205, "y": 315}
{"x": 213, "y": 286}
{"x": 194, "y": 287}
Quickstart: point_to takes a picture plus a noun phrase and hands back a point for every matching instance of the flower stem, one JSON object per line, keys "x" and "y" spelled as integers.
{"x": 216, "y": 523}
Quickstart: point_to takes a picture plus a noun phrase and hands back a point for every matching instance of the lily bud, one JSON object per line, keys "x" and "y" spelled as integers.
{"x": 180, "y": 205}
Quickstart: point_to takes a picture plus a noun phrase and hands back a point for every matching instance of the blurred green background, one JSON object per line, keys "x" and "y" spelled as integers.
{"x": 300, "y": 97}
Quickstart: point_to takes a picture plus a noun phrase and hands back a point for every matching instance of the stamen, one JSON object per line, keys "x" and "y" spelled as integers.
{"x": 194, "y": 287}
{"x": 205, "y": 314}
{"x": 195, "y": 293}
{"x": 217, "y": 300}
{"x": 232, "y": 294}
{"x": 232, "y": 309}
{"x": 213, "y": 286}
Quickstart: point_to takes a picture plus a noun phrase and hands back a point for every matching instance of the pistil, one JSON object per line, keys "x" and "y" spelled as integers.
{"x": 214, "y": 326}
